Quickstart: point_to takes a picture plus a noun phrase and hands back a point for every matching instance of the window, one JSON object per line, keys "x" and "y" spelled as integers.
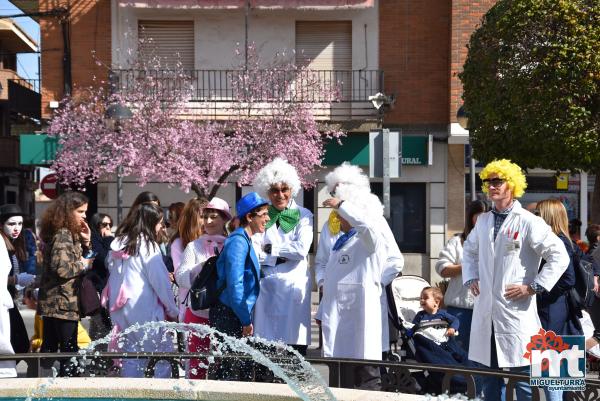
{"x": 408, "y": 214}
{"x": 168, "y": 41}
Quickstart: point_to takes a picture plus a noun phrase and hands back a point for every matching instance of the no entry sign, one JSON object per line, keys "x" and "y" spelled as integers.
{"x": 49, "y": 185}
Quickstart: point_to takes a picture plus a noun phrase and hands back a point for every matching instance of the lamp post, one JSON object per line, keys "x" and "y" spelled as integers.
{"x": 463, "y": 120}
{"x": 115, "y": 114}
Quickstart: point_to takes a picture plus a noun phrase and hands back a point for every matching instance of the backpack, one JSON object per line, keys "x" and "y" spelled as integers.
{"x": 582, "y": 294}
{"x": 204, "y": 293}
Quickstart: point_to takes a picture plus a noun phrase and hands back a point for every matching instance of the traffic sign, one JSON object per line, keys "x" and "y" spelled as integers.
{"x": 49, "y": 186}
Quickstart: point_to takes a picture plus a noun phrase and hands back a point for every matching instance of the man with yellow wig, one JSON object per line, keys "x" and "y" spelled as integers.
{"x": 500, "y": 263}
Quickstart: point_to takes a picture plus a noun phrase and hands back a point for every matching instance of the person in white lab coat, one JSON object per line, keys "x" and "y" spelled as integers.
{"x": 7, "y": 368}
{"x": 501, "y": 258}
{"x": 352, "y": 287}
{"x": 139, "y": 289}
{"x": 282, "y": 310}
{"x": 349, "y": 178}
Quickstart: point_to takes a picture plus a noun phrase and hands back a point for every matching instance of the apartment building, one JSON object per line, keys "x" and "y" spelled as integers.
{"x": 19, "y": 113}
{"x": 408, "y": 51}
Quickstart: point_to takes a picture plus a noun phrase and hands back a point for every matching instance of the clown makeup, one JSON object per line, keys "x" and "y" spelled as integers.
{"x": 13, "y": 227}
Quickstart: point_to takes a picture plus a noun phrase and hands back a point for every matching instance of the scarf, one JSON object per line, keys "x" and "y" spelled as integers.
{"x": 343, "y": 239}
{"x": 286, "y": 219}
{"x": 333, "y": 223}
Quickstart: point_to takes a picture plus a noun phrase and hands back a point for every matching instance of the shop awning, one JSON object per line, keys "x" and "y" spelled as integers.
{"x": 254, "y": 4}
{"x": 355, "y": 149}
{"x": 38, "y": 150}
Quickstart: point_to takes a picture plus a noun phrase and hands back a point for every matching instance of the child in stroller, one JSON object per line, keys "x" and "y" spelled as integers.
{"x": 433, "y": 336}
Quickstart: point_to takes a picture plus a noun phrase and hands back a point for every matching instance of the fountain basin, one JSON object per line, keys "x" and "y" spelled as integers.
{"x": 99, "y": 388}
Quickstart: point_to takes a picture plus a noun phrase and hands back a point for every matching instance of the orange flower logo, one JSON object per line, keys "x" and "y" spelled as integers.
{"x": 545, "y": 340}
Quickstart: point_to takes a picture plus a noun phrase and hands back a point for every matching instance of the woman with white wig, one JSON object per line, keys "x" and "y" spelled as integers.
{"x": 282, "y": 311}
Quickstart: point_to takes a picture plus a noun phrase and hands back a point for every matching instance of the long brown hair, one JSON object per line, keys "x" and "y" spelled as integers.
{"x": 476, "y": 207}
{"x": 555, "y": 215}
{"x": 140, "y": 224}
{"x": 60, "y": 215}
{"x": 191, "y": 221}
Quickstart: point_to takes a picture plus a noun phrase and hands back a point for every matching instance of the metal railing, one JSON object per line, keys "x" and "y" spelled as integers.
{"x": 399, "y": 376}
{"x": 225, "y": 85}
{"x": 31, "y": 84}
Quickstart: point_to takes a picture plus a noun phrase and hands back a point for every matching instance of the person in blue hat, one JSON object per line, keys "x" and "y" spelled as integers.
{"x": 238, "y": 273}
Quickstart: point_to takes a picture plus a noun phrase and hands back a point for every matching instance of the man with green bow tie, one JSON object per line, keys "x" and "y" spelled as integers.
{"x": 282, "y": 310}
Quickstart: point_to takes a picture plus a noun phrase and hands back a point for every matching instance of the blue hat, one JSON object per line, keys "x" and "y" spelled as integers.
{"x": 248, "y": 203}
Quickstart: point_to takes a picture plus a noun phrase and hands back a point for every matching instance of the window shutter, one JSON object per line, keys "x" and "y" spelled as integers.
{"x": 170, "y": 41}
{"x": 324, "y": 45}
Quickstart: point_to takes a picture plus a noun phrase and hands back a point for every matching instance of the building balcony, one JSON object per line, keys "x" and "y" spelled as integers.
{"x": 212, "y": 94}
{"x": 24, "y": 99}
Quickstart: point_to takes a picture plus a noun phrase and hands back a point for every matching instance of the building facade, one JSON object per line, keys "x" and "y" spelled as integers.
{"x": 19, "y": 113}
{"x": 409, "y": 52}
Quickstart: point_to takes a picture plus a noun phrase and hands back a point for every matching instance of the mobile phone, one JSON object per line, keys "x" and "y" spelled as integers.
{"x": 90, "y": 255}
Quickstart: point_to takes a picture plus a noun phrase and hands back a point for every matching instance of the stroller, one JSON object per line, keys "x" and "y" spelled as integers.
{"x": 404, "y": 295}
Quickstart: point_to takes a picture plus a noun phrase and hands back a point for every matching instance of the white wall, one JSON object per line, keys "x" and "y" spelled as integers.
{"x": 218, "y": 33}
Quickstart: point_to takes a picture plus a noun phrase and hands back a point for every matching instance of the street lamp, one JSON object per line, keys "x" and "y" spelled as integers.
{"x": 463, "y": 120}
{"x": 115, "y": 114}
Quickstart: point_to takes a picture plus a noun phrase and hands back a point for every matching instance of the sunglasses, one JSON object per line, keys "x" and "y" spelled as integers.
{"x": 105, "y": 225}
{"x": 493, "y": 182}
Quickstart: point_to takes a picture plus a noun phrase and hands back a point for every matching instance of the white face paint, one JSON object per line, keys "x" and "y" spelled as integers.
{"x": 13, "y": 226}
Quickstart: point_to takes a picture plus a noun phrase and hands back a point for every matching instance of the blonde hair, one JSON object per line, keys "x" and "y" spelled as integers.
{"x": 555, "y": 215}
{"x": 508, "y": 171}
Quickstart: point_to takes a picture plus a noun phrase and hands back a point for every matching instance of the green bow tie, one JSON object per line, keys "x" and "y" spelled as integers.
{"x": 288, "y": 218}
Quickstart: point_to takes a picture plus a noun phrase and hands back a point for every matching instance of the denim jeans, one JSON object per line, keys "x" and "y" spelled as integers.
{"x": 464, "y": 316}
{"x": 494, "y": 388}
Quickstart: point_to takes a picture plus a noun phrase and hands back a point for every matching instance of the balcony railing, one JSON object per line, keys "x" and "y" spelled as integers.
{"x": 337, "y": 90}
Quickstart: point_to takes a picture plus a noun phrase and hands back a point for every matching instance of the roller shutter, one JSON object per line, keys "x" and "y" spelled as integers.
{"x": 168, "y": 40}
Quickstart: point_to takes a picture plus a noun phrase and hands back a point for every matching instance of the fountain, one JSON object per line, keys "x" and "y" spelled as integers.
{"x": 302, "y": 381}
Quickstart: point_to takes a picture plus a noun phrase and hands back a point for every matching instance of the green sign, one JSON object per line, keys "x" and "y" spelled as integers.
{"x": 38, "y": 149}
{"x": 355, "y": 149}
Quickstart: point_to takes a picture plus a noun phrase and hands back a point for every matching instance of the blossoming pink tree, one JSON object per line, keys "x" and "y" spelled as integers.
{"x": 269, "y": 115}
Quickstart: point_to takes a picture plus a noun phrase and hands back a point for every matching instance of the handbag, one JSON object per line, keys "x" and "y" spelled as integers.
{"x": 89, "y": 299}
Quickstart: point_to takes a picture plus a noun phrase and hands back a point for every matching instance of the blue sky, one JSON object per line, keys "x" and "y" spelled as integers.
{"x": 27, "y": 65}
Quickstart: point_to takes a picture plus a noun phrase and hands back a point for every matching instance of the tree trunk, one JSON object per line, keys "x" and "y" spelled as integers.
{"x": 200, "y": 192}
{"x": 595, "y": 206}
{"x": 221, "y": 181}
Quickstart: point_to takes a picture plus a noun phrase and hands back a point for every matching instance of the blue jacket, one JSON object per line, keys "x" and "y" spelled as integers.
{"x": 238, "y": 267}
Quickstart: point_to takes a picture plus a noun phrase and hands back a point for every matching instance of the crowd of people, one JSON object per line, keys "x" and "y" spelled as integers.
{"x": 509, "y": 273}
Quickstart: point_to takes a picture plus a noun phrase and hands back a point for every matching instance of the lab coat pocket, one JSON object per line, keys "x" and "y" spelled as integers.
{"x": 349, "y": 297}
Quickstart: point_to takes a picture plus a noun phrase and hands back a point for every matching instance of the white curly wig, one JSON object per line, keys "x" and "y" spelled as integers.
{"x": 278, "y": 171}
{"x": 361, "y": 197}
{"x": 346, "y": 173}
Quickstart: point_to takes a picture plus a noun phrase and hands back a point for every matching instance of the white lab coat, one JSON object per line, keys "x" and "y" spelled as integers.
{"x": 513, "y": 258}
{"x": 352, "y": 290}
{"x": 138, "y": 292}
{"x": 7, "y": 368}
{"x": 394, "y": 265}
{"x": 282, "y": 310}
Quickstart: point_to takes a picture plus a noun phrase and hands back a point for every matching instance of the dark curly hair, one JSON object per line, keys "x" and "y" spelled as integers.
{"x": 60, "y": 215}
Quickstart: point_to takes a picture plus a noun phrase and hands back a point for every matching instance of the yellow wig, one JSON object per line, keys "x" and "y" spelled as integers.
{"x": 508, "y": 171}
